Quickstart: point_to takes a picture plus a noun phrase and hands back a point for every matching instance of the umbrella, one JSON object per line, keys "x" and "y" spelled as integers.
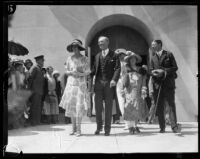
{"x": 17, "y": 49}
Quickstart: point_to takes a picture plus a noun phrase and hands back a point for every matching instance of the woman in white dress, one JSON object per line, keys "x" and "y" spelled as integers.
{"x": 75, "y": 99}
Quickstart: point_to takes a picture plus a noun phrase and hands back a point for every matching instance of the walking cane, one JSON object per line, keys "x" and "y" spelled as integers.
{"x": 152, "y": 116}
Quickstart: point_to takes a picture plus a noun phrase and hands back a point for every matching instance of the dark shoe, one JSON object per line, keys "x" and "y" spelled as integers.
{"x": 162, "y": 130}
{"x": 107, "y": 134}
{"x": 97, "y": 132}
{"x": 177, "y": 128}
{"x": 137, "y": 130}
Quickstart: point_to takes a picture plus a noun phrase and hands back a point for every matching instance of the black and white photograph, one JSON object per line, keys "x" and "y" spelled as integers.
{"x": 109, "y": 79}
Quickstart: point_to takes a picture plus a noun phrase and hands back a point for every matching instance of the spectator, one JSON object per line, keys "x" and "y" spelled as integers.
{"x": 50, "y": 107}
{"x": 36, "y": 86}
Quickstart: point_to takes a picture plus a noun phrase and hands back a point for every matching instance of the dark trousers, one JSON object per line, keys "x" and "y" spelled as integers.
{"x": 118, "y": 112}
{"x": 35, "y": 110}
{"x": 103, "y": 92}
{"x": 169, "y": 96}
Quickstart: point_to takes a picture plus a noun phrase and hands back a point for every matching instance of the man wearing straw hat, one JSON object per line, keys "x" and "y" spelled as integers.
{"x": 106, "y": 70}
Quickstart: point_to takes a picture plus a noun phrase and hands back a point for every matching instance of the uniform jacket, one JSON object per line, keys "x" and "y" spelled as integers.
{"x": 36, "y": 80}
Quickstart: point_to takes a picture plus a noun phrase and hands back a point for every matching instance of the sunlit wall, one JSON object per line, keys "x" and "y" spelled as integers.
{"x": 48, "y": 29}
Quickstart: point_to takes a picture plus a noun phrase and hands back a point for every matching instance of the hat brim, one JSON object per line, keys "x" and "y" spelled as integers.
{"x": 138, "y": 58}
{"x": 69, "y": 47}
{"x": 26, "y": 63}
{"x": 121, "y": 53}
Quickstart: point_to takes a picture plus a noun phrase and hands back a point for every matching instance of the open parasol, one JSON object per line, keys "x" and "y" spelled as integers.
{"x": 17, "y": 49}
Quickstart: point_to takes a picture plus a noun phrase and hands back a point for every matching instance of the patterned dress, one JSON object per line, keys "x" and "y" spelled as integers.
{"x": 135, "y": 106}
{"x": 75, "y": 99}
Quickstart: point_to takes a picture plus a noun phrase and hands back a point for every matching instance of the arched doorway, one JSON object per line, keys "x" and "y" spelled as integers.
{"x": 122, "y": 37}
{"x": 124, "y": 31}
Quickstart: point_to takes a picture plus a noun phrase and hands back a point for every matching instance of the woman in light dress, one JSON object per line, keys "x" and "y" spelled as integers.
{"x": 119, "y": 88}
{"x": 135, "y": 90}
{"x": 75, "y": 99}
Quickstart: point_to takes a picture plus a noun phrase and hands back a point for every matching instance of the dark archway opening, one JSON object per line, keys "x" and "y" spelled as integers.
{"x": 121, "y": 37}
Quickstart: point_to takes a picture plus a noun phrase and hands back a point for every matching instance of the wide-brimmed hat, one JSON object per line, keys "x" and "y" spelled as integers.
{"x": 120, "y": 51}
{"x": 17, "y": 62}
{"x": 130, "y": 54}
{"x": 56, "y": 72}
{"x": 75, "y": 42}
{"x": 27, "y": 62}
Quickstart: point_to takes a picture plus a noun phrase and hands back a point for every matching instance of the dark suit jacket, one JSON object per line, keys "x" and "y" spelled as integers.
{"x": 112, "y": 66}
{"x": 36, "y": 80}
{"x": 166, "y": 62}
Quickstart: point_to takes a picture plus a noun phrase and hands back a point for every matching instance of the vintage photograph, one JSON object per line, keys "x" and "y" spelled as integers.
{"x": 102, "y": 79}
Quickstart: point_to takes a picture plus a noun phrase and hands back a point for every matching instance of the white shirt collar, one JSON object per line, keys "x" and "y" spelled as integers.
{"x": 160, "y": 52}
{"x": 106, "y": 51}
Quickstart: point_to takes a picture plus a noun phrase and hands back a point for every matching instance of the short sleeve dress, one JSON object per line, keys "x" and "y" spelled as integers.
{"x": 75, "y": 99}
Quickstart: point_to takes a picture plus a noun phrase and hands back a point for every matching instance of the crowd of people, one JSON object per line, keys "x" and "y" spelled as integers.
{"x": 44, "y": 87}
{"x": 116, "y": 79}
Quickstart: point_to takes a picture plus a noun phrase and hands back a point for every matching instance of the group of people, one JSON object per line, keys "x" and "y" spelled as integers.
{"x": 114, "y": 75}
{"x": 46, "y": 90}
{"x": 117, "y": 72}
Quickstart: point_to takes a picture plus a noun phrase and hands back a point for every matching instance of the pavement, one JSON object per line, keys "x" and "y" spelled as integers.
{"x": 55, "y": 138}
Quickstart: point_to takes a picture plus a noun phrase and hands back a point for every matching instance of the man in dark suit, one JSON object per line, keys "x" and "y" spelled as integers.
{"x": 106, "y": 70}
{"x": 36, "y": 85}
{"x": 163, "y": 67}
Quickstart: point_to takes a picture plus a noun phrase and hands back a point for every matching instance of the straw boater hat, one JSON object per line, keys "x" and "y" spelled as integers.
{"x": 75, "y": 42}
{"x": 130, "y": 54}
{"x": 120, "y": 51}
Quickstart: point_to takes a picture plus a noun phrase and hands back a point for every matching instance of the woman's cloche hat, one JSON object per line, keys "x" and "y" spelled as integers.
{"x": 130, "y": 54}
{"x": 120, "y": 51}
{"x": 75, "y": 42}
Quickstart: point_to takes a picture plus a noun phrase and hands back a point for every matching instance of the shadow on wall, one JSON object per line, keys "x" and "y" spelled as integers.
{"x": 76, "y": 19}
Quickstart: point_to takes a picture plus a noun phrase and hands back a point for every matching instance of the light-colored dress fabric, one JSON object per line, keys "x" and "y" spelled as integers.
{"x": 120, "y": 90}
{"x": 75, "y": 99}
{"x": 135, "y": 106}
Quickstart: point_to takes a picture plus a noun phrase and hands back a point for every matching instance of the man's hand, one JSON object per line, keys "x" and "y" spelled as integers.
{"x": 112, "y": 83}
{"x": 158, "y": 73}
